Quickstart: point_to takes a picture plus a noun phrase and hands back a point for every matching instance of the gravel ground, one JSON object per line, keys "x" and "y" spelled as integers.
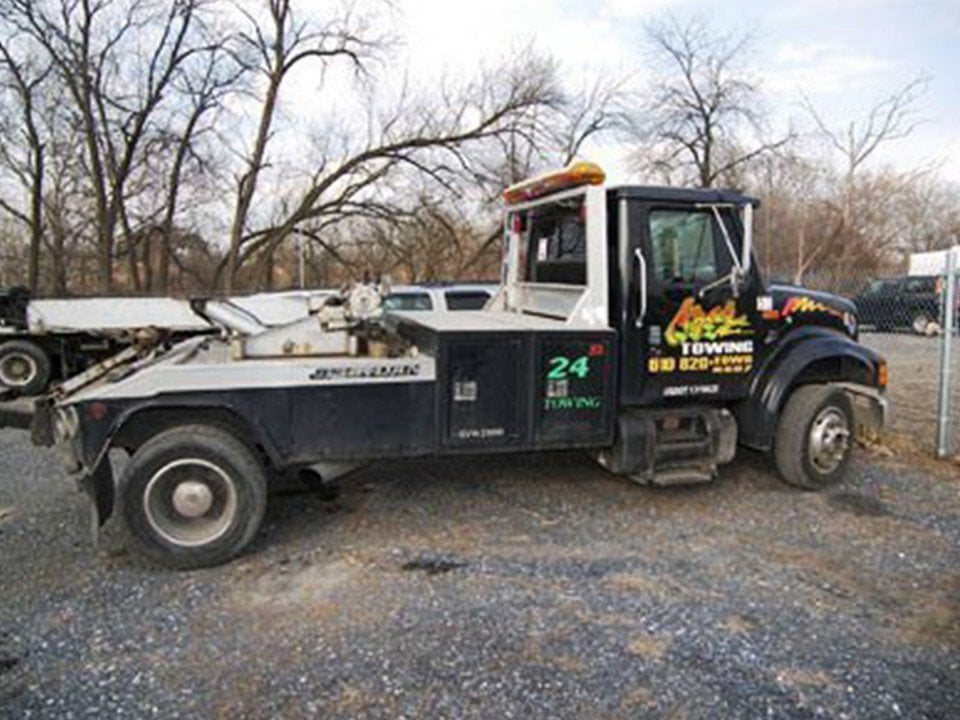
{"x": 914, "y": 371}
{"x": 499, "y": 588}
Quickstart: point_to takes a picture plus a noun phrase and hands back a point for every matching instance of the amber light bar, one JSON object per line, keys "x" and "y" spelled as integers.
{"x": 578, "y": 173}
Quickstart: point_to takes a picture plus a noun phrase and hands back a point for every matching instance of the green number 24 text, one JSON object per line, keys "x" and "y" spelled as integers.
{"x": 562, "y": 367}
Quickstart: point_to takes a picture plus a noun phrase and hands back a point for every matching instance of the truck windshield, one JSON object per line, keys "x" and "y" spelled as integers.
{"x": 556, "y": 243}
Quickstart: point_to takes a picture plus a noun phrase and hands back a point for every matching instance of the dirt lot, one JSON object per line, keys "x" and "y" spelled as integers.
{"x": 914, "y": 367}
{"x": 498, "y": 588}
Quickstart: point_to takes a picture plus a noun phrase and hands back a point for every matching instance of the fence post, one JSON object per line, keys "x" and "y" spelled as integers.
{"x": 944, "y": 387}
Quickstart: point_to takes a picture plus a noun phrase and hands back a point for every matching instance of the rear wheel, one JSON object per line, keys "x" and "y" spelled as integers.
{"x": 24, "y": 367}
{"x": 815, "y": 437}
{"x": 193, "y": 496}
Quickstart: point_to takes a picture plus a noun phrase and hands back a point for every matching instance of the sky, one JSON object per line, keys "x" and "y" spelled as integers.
{"x": 844, "y": 55}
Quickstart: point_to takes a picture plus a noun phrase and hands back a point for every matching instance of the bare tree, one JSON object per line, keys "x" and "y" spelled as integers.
{"x": 276, "y": 48}
{"x": 69, "y": 222}
{"x": 853, "y": 227}
{"x": 929, "y": 214}
{"x": 25, "y": 155}
{"x": 116, "y": 62}
{"x": 701, "y": 113}
{"x": 547, "y": 137}
{"x": 353, "y": 170}
{"x": 890, "y": 118}
{"x": 202, "y": 91}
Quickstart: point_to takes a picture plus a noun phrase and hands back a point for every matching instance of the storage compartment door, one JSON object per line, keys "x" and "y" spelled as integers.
{"x": 575, "y": 390}
{"x": 484, "y": 399}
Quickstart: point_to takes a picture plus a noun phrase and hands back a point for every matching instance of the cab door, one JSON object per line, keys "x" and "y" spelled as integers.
{"x": 692, "y": 330}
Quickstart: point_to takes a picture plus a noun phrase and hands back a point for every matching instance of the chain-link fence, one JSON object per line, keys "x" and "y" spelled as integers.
{"x": 903, "y": 317}
{"x": 948, "y": 379}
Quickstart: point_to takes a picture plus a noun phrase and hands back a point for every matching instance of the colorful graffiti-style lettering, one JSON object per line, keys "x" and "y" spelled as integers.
{"x": 802, "y": 304}
{"x": 693, "y": 323}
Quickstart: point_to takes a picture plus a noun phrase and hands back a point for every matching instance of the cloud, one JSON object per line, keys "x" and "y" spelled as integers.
{"x": 441, "y": 34}
{"x": 633, "y": 9}
{"x": 821, "y": 68}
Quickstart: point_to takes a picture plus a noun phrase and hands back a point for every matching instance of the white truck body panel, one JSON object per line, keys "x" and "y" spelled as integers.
{"x": 279, "y": 308}
{"x": 110, "y": 315}
{"x": 198, "y": 365}
{"x": 115, "y": 314}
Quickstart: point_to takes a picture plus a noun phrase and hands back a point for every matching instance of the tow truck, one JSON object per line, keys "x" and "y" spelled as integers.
{"x": 630, "y": 322}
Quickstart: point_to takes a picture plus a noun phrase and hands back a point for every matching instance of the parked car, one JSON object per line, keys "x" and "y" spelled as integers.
{"x": 459, "y": 296}
{"x": 905, "y": 302}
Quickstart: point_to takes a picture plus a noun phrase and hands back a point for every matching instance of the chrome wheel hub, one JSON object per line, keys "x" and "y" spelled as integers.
{"x": 829, "y": 440}
{"x": 192, "y": 499}
{"x": 190, "y": 502}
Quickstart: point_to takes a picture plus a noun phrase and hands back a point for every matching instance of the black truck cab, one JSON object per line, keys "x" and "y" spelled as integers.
{"x": 707, "y": 353}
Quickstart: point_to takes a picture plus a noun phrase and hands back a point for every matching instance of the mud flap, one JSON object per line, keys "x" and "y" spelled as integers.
{"x": 99, "y": 488}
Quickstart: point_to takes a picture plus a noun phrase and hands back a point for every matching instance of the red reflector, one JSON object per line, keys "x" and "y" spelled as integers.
{"x": 597, "y": 349}
{"x": 97, "y": 411}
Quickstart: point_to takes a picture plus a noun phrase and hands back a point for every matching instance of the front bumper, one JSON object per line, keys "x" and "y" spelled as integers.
{"x": 870, "y": 406}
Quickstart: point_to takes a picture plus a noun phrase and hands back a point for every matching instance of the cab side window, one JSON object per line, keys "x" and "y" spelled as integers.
{"x": 684, "y": 245}
{"x": 557, "y": 245}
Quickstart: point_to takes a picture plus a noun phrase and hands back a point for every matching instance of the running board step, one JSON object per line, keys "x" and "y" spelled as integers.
{"x": 671, "y": 446}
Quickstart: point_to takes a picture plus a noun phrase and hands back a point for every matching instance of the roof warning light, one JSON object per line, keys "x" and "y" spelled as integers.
{"x": 574, "y": 175}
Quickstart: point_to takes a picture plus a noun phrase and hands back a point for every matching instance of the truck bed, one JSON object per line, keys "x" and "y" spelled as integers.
{"x": 477, "y": 382}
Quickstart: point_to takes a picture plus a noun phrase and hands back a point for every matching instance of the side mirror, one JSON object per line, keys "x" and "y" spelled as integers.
{"x": 747, "y": 251}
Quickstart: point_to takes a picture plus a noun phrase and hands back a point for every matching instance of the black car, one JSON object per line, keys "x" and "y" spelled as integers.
{"x": 907, "y": 302}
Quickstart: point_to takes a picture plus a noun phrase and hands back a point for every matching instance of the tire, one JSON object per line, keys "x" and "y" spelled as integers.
{"x": 920, "y": 324}
{"x": 24, "y": 367}
{"x": 815, "y": 437}
{"x": 193, "y": 496}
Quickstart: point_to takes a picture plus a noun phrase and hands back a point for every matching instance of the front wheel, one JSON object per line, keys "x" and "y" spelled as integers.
{"x": 193, "y": 496}
{"x": 815, "y": 437}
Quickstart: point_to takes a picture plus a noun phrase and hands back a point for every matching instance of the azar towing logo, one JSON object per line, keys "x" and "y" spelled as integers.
{"x": 710, "y": 341}
{"x": 365, "y": 372}
{"x": 693, "y": 324}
